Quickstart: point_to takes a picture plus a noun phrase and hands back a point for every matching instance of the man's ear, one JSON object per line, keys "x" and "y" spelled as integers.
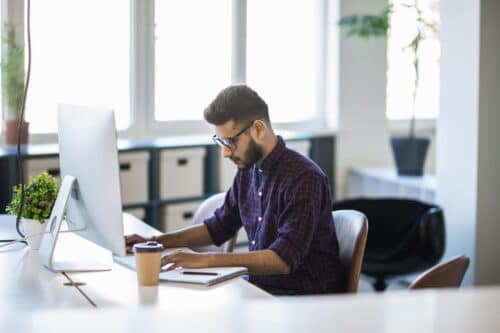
{"x": 261, "y": 129}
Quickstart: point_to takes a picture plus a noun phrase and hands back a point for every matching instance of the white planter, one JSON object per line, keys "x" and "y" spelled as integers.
{"x": 30, "y": 228}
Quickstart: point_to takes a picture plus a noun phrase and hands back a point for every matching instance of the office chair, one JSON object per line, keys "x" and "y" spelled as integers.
{"x": 406, "y": 236}
{"x": 351, "y": 228}
{"x": 446, "y": 275}
{"x": 206, "y": 210}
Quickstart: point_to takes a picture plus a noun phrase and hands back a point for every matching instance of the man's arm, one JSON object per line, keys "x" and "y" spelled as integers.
{"x": 263, "y": 262}
{"x": 196, "y": 235}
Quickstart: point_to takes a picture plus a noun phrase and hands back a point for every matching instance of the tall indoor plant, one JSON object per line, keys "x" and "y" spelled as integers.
{"x": 12, "y": 65}
{"x": 409, "y": 151}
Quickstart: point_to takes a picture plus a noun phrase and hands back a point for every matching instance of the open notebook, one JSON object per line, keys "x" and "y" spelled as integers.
{"x": 204, "y": 276}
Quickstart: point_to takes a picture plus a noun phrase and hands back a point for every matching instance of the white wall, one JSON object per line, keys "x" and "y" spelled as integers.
{"x": 363, "y": 135}
{"x": 468, "y": 161}
{"x": 488, "y": 219}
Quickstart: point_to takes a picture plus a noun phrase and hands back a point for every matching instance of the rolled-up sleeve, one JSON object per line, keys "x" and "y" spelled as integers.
{"x": 226, "y": 220}
{"x": 298, "y": 221}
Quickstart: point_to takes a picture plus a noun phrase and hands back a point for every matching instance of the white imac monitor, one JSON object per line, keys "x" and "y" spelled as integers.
{"x": 90, "y": 195}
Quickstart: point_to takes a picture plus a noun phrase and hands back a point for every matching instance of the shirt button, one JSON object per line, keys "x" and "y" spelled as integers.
{"x": 259, "y": 218}
{"x": 260, "y": 194}
{"x": 253, "y": 242}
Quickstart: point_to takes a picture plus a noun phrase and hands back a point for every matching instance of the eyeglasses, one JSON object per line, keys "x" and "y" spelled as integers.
{"x": 230, "y": 142}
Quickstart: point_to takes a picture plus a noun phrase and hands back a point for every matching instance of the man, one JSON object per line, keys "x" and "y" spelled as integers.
{"x": 280, "y": 197}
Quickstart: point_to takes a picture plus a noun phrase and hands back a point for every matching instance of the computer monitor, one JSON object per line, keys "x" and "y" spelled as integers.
{"x": 89, "y": 196}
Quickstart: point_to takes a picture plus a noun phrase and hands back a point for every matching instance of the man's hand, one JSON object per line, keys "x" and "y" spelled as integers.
{"x": 186, "y": 259}
{"x": 130, "y": 240}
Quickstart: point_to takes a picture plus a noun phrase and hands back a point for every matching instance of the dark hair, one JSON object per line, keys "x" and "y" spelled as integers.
{"x": 238, "y": 103}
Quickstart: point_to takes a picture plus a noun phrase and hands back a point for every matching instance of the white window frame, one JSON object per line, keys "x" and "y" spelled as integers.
{"x": 142, "y": 43}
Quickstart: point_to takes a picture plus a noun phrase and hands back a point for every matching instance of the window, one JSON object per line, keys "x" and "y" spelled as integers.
{"x": 284, "y": 56}
{"x": 1, "y": 86}
{"x": 192, "y": 56}
{"x": 81, "y": 55}
{"x": 401, "y": 73}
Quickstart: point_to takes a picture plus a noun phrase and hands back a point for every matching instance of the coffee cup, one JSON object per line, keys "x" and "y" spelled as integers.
{"x": 148, "y": 261}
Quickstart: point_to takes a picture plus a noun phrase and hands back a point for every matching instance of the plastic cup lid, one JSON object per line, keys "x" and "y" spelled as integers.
{"x": 147, "y": 247}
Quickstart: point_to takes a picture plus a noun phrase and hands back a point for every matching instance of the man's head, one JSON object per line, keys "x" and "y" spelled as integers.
{"x": 242, "y": 125}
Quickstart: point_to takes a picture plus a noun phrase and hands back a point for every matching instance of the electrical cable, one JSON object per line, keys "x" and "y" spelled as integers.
{"x": 20, "y": 169}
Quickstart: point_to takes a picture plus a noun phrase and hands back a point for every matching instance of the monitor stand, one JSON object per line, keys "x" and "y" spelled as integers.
{"x": 51, "y": 236}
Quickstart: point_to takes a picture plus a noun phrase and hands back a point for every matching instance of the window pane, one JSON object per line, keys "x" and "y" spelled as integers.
{"x": 81, "y": 55}
{"x": 1, "y": 86}
{"x": 192, "y": 56}
{"x": 401, "y": 72}
{"x": 283, "y": 56}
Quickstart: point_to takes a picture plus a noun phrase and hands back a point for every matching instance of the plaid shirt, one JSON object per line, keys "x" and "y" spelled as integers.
{"x": 285, "y": 206}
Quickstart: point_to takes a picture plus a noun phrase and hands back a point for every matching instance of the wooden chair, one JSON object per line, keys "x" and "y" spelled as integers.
{"x": 352, "y": 228}
{"x": 446, "y": 275}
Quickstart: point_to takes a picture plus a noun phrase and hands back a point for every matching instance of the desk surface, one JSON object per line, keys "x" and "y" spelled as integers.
{"x": 474, "y": 310}
{"x": 119, "y": 286}
{"x": 426, "y": 181}
{"x": 26, "y": 284}
{"x": 235, "y": 306}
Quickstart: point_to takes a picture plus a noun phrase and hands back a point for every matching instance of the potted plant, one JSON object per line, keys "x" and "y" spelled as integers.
{"x": 409, "y": 151}
{"x": 39, "y": 196}
{"x": 13, "y": 86}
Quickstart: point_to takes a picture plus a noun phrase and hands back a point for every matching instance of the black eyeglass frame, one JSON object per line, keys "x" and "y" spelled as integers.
{"x": 230, "y": 142}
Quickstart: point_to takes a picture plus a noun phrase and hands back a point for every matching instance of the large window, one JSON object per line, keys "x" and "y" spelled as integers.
{"x": 284, "y": 56}
{"x": 1, "y": 85}
{"x": 401, "y": 72}
{"x": 81, "y": 55}
{"x": 192, "y": 56}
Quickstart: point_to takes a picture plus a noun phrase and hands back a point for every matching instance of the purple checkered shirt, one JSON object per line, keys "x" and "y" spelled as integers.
{"x": 285, "y": 206}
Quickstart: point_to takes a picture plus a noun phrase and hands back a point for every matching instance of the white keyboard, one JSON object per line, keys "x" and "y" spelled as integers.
{"x": 127, "y": 261}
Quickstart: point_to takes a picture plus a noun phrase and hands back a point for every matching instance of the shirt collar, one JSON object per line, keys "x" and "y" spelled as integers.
{"x": 273, "y": 156}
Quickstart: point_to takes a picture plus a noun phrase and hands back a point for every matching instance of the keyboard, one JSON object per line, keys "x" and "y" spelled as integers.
{"x": 127, "y": 261}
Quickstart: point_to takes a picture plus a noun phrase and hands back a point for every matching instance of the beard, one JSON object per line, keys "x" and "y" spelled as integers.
{"x": 253, "y": 154}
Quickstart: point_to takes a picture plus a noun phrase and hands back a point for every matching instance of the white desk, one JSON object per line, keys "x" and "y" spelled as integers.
{"x": 235, "y": 306}
{"x": 385, "y": 182}
{"x": 421, "y": 311}
{"x": 119, "y": 286}
{"x": 25, "y": 283}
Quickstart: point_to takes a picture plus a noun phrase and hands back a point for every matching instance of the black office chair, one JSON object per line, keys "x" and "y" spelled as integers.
{"x": 404, "y": 237}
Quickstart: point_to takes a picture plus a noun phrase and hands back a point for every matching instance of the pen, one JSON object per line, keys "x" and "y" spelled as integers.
{"x": 199, "y": 273}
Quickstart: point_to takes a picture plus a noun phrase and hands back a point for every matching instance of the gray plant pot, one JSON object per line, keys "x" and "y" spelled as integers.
{"x": 409, "y": 155}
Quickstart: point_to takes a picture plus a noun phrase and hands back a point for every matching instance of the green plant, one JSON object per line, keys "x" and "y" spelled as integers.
{"x": 12, "y": 72}
{"x": 40, "y": 194}
{"x": 366, "y": 26}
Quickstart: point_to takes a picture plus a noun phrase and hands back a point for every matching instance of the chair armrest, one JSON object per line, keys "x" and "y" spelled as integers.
{"x": 431, "y": 242}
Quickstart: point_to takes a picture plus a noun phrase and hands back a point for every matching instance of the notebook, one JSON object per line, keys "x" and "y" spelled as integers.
{"x": 204, "y": 276}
